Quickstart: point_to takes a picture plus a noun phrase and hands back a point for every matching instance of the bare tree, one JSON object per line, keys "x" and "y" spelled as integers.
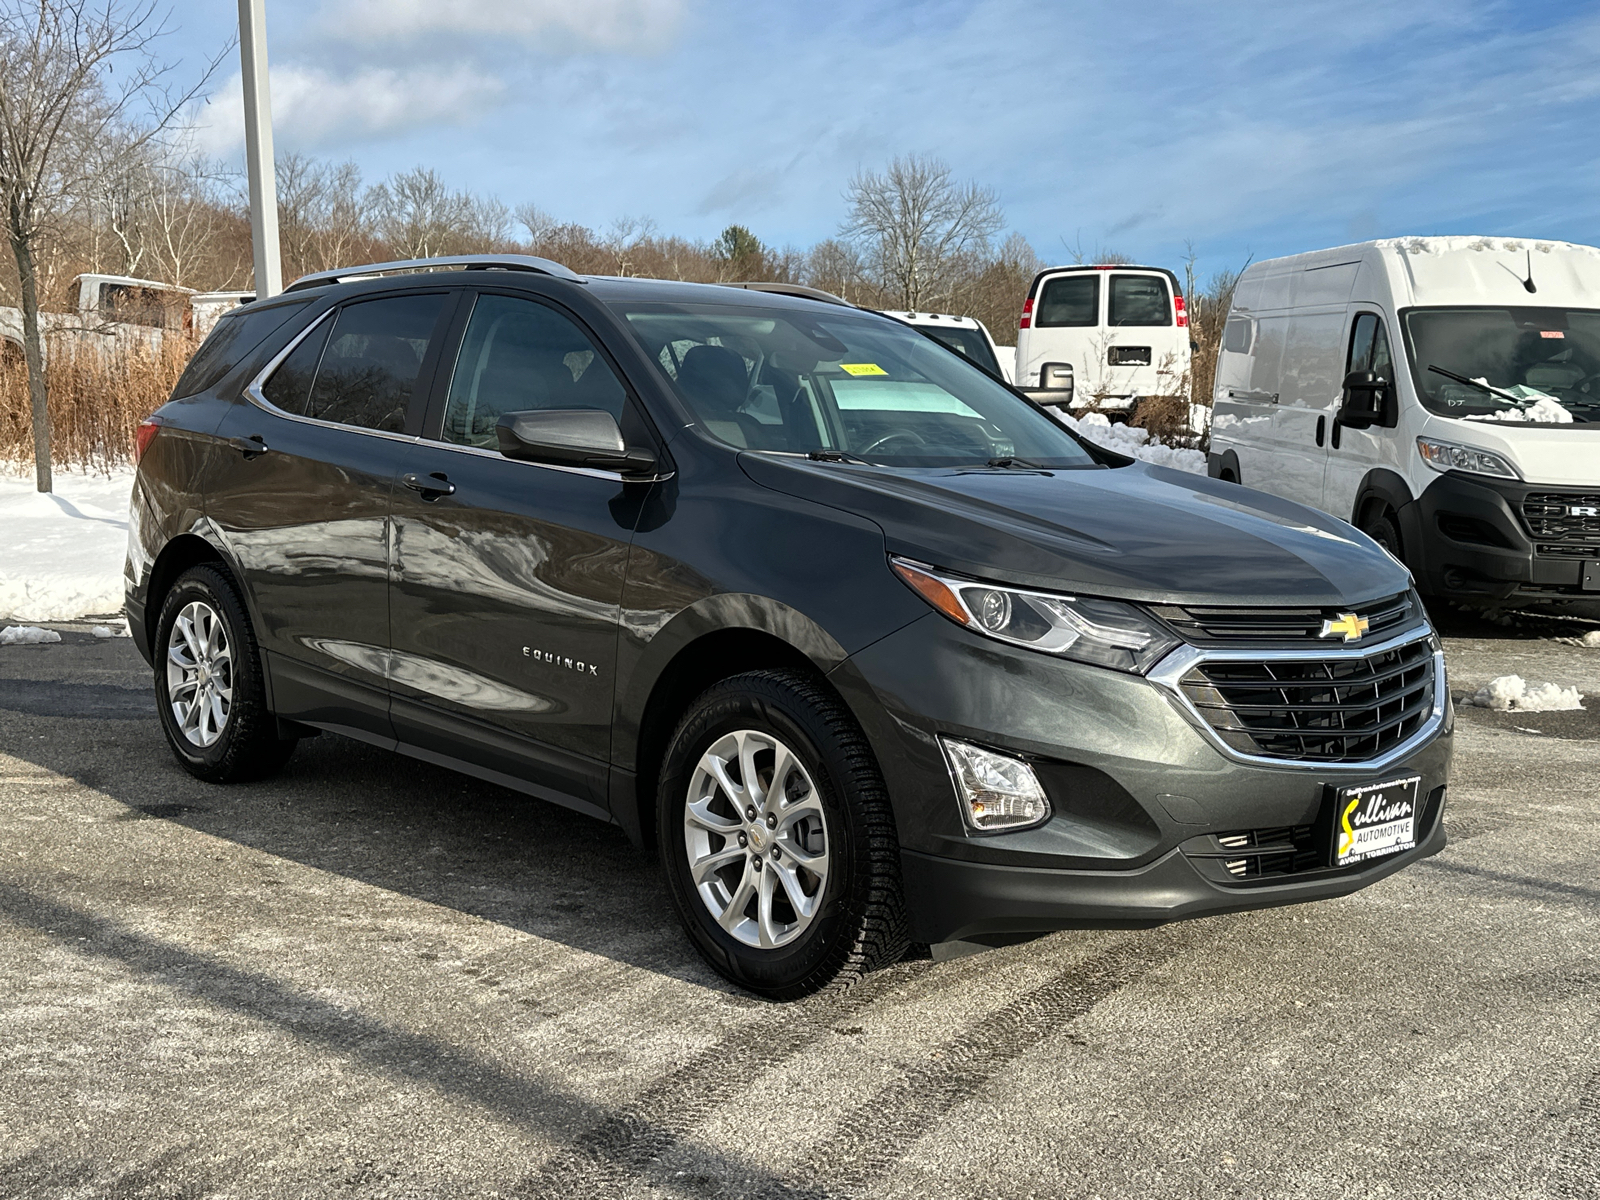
{"x": 58, "y": 106}
{"x": 916, "y": 225}
{"x": 323, "y": 215}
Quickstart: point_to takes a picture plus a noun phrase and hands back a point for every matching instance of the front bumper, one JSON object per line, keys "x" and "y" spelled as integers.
{"x": 1132, "y": 780}
{"x": 1467, "y": 538}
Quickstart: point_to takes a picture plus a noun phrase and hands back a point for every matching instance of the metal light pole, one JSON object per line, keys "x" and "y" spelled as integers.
{"x": 258, "y": 148}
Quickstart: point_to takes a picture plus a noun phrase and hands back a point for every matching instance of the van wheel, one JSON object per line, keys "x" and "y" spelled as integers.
{"x": 1380, "y": 527}
{"x": 209, "y": 689}
{"x": 777, "y": 837}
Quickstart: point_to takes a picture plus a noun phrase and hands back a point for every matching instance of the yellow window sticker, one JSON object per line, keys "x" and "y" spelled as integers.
{"x": 862, "y": 369}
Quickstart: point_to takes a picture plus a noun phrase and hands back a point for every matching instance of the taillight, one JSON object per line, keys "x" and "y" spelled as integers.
{"x": 1027, "y": 314}
{"x": 143, "y": 436}
{"x": 1183, "y": 317}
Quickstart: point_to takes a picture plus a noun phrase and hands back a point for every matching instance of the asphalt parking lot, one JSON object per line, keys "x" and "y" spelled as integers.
{"x": 372, "y": 978}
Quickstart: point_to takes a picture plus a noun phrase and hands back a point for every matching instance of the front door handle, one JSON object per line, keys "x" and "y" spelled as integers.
{"x": 250, "y": 446}
{"x": 431, "y": 486}
{"x": 1322, "y": 425}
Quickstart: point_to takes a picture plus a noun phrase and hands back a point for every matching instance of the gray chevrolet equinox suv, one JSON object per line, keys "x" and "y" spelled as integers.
{"x": 870, "y": 648}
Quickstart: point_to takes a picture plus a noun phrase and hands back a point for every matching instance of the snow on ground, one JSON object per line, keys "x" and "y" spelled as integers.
{"x": 61, "y": 554}
{"x": 1590, "y": 640}
{"x": 1133, "y": 440}
{"x": 27, "y": 635}
{"x": 1511, "y": 693}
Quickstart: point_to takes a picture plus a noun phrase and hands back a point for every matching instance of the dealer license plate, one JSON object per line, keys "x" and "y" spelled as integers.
{"x": 1375, "y": 819}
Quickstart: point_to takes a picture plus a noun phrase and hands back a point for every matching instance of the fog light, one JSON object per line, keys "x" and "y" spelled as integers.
{"x": 996, "y": 791}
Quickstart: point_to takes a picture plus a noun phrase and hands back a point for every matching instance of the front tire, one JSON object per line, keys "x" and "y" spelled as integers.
{"x": 777, "y": 837}
{"x": 1380, "y": 526}
{"x": 210, "y": 692}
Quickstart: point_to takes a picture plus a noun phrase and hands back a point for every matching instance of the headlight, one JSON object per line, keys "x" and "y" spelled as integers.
{"x": 1107, "y": 633}
{"x": 1447, "y": 456}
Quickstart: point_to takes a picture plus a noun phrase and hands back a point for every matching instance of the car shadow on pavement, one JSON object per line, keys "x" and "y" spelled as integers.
{"x": 379, "y": 818}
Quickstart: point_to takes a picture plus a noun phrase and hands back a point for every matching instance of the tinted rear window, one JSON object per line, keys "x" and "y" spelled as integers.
{"x": 1139, "y": 300}
{"x": 1069, "y": 301}
{"x": 233, "y": 337}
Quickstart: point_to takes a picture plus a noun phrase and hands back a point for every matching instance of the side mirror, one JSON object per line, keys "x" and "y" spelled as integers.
{"x": 1056, "y": 377}
{"x": 571, "y": 437}
{"x": 1365, "y": 401}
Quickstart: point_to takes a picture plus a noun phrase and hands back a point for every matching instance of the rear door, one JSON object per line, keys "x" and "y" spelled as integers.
{"x": 508, "y": 575}
{"x": 1065, "y": 327}
{"x": 1142, "y": 354}
{"x": 305, "y": 508}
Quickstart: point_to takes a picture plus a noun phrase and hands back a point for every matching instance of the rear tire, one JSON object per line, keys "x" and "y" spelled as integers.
{"x": 210, "y": 692}
{"x": 824, "y": 906}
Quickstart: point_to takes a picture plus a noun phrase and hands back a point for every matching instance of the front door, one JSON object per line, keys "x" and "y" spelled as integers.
{"x": 508, "y": 575}
{"x": 304, "y": 508}
{"x": 1354, "y": 452}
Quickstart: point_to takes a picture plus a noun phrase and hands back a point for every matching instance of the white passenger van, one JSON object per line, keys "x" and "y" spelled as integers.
{"x": 1441, "y": 394}
{"x": 1103, "y": 336}
{"x": 967, "y": 336}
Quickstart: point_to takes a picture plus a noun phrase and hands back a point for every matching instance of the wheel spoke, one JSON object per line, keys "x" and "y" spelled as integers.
{"x": 817, "y": 864}
{"x": 766, "y": 927}
{"x": 699, "y": 813}
{"x": 783, "y": 762}
{"x": 747, "y": 769}
{"x": 702, "y": 870}
{"x": 803, "y": 904}
{"x": 185, "y": 629}
{"x": 734, "y": 913}
{"x": 719, "y": 771}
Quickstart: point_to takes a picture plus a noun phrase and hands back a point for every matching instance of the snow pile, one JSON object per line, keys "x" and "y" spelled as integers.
{"x": 61, "y": 554}
{"x": 27, "y": 635}
{"x": 1511, "y": 693}
{"x": 113, "y": 631}
{"x": 1591, "y": 640}
{"x": 1133, "y": 440}
{"x": 1544, "y": 408}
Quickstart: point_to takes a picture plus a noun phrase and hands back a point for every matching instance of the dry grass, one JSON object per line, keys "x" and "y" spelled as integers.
{"x": 97, "y": 399}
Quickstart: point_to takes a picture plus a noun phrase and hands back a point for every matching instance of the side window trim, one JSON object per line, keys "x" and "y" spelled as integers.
{"x": 254, "y": 392}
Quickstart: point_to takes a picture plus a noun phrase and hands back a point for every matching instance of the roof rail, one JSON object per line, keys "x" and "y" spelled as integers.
{"x": 793, "y": 289}
{"x": 465, "y": 262}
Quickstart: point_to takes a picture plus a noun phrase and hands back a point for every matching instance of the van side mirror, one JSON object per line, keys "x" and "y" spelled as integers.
{"x": 571, "y": 437}
{"x": 1057, "y": 377}
{"x": 1366, "y": 400}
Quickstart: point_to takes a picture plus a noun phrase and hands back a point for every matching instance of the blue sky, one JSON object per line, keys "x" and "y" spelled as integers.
{"x": 1250, "y": 129}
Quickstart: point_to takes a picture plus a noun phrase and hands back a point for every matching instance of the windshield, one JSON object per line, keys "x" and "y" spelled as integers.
{"x": 1544, "y": 363}
{"x": 969, "y": 342}
{"x": 836, "y": 382}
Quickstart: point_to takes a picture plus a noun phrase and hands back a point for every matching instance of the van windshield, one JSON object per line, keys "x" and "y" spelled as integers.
{"x": 1544, "y": 363}
{"x": 833, "y": 381}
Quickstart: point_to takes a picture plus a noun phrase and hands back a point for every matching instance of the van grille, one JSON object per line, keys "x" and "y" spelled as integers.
{"x": 1548, "y": 515}
{"x": 1276, "y": 626}
{"x": 1317, "y": 709}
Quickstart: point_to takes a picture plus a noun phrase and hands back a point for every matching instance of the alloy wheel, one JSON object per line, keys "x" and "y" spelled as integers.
{"x": 200, "y": 673}
{"x": 757, "y": 839}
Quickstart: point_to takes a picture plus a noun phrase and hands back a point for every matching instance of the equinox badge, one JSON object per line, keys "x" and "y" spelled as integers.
{"x": 1348, "y": 625}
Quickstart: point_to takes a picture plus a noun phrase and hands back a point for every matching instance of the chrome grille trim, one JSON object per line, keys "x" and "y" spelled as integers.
{"x": 1168, "y": 674}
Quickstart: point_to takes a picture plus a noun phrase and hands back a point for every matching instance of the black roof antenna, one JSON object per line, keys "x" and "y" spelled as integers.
{"x": 1527, "y": 284}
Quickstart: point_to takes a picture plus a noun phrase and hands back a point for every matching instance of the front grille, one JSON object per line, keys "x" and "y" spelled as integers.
{"x": 1317, "y": 709}
{"x": 1548, "y": 516}
{"x": 1568, "y": 550}
{"x": 1286, "y": 850}
{"x": 1279, "y": 626}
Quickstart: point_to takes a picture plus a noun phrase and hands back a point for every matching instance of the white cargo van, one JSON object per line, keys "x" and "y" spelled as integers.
{"x": 1103, "y": 336}
{"x": 1441, "y": 394}
{"x": 965, "y": 335}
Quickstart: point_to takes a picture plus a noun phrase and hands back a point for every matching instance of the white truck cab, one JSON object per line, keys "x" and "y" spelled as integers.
{"x": 1442, "y": 394}
{"x": 965, "y": 335}
{"x": 1103, "y": 336}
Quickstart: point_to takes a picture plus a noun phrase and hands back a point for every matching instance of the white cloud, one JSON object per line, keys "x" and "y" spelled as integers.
{"x": 632, "y": 26}
{"x": 312, "y": 107}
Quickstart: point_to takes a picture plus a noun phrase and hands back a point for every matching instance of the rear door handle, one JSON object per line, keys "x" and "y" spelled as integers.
{"x": 431, "y": 486}
{"x": 249, "y": 446}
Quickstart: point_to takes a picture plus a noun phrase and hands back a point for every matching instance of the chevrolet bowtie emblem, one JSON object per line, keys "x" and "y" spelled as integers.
{"x": 1346, "y": 625}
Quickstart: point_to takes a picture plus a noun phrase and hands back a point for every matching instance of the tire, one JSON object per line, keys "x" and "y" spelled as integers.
{"x": 1380, "y": 527}
{"x": 834, "y": 812}
{"x": 217, "y": 657}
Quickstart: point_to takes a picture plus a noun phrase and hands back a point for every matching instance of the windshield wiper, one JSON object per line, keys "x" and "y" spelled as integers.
{"x": 838, "y": 456}
{"x": 1493, "y": 391}
{"x": 1015, "y": 464}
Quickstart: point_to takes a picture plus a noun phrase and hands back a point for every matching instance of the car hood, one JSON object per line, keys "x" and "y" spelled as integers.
{"x": 1135, "y": 532}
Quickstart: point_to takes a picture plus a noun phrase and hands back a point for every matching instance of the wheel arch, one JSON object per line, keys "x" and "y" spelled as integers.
{"x": 1218, "y": 466}
{"x": 1381, "y": 486}
{"x": 716, "y": 638}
